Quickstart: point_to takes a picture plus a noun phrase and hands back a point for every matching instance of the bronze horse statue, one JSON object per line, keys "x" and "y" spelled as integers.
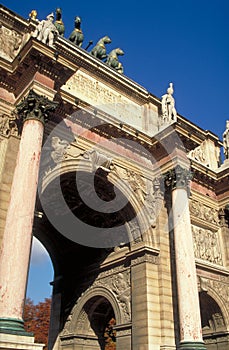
{"x": 112, "y": 60}
{"x": 77, "y": 36}
{"x": 99, "y": 50}
{"x": 58, "y": 22}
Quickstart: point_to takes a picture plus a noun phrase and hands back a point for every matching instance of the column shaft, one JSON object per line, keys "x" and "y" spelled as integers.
{"x": 15, "y": 250}
{"x": 188, "y": 299}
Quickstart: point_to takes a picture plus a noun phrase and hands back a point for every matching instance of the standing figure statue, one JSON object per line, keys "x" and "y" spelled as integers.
{"x": 59, "y": 24}
{"x": 169, "y": 112}
{"x": 226, "y": 140}
{"x": 77, "y": 36}
{"x": 46, "y": 31}
{"x": 112, "y": 60}
{"x": 99, "y": 50}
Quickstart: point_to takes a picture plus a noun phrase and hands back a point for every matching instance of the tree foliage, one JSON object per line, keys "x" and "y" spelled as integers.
{"x": 110, "y": 335}
{"x": 36, "y": 319}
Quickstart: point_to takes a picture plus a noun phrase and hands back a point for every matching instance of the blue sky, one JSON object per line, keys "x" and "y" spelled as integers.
{"x": 182, "y": 41}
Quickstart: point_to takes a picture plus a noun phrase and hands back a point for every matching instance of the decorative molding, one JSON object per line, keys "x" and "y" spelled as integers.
{"x": 145, "y": 258}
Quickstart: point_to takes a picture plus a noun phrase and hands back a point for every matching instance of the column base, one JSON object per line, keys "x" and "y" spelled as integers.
{"x": 18, "y": 342}
{"x": 188, "y": 345}
{"x": 13, "y": 326}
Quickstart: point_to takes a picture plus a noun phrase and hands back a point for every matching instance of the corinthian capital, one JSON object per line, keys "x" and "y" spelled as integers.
{"x": 177, "y": 177}
{"x": 36, "y": 107}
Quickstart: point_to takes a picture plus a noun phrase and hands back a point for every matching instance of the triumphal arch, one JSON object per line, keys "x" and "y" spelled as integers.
{"x": 130, "y": 199}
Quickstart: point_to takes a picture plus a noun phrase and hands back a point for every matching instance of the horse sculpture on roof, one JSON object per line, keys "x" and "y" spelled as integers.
{"x": 59, "y": 24}
{"x": 99, "y": 50}
{"x": 112, "y": 60}
{"x": 77, "y": 36}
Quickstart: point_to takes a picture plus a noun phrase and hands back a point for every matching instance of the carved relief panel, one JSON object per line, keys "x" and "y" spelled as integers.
{"x": 11, "y": 42}
{"x": 206, "y": 245}
{"x": 203, "y": 212}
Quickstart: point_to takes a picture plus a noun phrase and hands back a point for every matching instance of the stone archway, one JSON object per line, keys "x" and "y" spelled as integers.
{"x": 214, "y": 328}
{"x": 88, "y": 323}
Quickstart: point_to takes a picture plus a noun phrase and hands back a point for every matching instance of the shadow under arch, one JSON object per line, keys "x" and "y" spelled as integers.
{"x": 137, "y": 209}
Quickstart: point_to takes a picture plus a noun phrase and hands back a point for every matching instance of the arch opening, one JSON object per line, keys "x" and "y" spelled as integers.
{"x": 214, "y": 329}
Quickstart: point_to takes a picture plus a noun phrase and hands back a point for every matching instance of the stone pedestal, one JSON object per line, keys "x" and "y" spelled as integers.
{"x": 10, "y": 341}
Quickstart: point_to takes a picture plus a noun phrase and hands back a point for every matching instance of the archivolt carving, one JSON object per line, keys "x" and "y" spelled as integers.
{"x": 202, "y": 211}
{"x": 206, "y": 245}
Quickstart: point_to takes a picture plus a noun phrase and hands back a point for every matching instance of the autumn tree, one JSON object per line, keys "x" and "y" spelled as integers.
{"x": 36, "y": 319}
{"x": 110, "y": 335}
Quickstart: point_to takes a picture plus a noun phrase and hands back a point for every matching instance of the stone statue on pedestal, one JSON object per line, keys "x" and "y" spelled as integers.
{"x": 46, "y": 30}
{"x": 169, "y": 112}
{"x": 226, "y": 140}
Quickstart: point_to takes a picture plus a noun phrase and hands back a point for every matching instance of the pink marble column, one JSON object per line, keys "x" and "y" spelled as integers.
{"x": 188, "y": 298}
{"x": 16, "y": 246}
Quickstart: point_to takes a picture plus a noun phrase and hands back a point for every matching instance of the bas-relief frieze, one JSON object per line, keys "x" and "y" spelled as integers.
{"x": 206, "y": 245}
{"x": 104, "y": 98}
{"x": 204, "y": 212}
